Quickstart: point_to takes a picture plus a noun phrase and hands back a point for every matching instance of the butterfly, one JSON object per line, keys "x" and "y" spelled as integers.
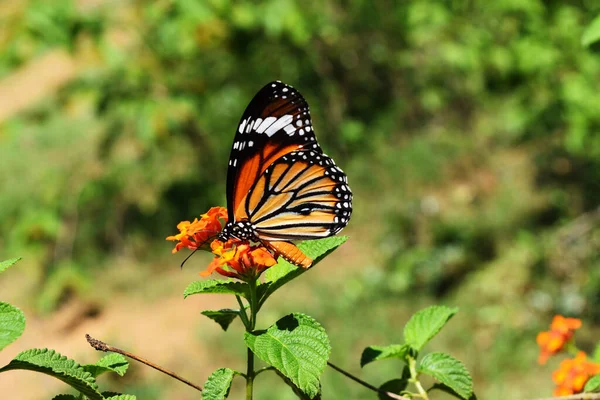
{"x": 281, "y": 187}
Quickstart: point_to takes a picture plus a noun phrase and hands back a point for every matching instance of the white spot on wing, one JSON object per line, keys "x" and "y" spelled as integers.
{"x": 279, "y": 124}
{"x": 265, "y": 124}
{"x": 289, "y": 129}
{"x": 242, "y": 126}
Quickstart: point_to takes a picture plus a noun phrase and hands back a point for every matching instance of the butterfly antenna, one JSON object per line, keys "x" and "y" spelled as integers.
{"x": 207, "y": 240}
{"x": 188, "y": 257}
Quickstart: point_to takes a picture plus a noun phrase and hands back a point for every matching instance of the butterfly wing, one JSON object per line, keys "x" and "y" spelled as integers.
{"x": 276, "y": 122}
{"x": 302, "y": 195}
{"x": 279, "y": 179}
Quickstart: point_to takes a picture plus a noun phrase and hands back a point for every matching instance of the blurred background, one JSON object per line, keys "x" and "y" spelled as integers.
{"x": 469, "y": 129}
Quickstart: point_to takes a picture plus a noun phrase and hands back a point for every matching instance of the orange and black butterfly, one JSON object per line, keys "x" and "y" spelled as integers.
{"x": 280, "y": 185}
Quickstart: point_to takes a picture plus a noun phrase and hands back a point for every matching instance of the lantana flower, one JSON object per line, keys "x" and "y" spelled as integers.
{"x": 554, "y": 340}
{"x": 237, "y": 259}
{"x": 572, "y": 375}
{"x": 195, "y": 235}
{"x": 233, "y": 258}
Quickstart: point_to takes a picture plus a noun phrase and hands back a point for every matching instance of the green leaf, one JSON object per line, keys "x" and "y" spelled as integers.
{"x": 425, "y": 324}
{"x": 448, "y": 371}
{"x": 64, "y": 397}
{"x": 283, "y": 272}
{"x": 592, "y": 33}
{"x": 297, "y": 346}
{"x": 228, "y": 286}
{"x": 112, "y": 362}
{"x": 8, "y": 263}
{"x": 52, "y": 363}
{"x": 593, "y": 384}
{"x": 12, "y": 324}
{"x": 443, "y": 388}
{"x": 222, "y": 317}
{"x": 122, "y": 397}
{"x": 375, "y": 353}
{"x": 218, "y": 384}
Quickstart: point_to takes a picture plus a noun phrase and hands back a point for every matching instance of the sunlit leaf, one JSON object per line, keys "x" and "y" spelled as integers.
{"x": 12, "y": 324}
{"x": 214, "y": 286}
{"x": 112, "y": 362}
{"x": 448, "y": 371}
{"x": 4, "y": 265}
{"x": 218, "y": 384}
{"x": 425, "y": 324}
{"x": 283, "y": 272}
{"x": 375, "y": 353}
{"x": 52, "y": 363}
{"x": 297, "y": 346}
{"x": 592, "y": 33}
{"x": 593, "y": 384}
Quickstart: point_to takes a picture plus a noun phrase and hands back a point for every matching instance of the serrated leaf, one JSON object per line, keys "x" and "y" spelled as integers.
{"x": 64, "y": 397}
{"x": 4, "y": 265}
{"x": 54, "y": 364}
{"x": 112, "y": 362}
{"x": 222, "y": 317}
{"x": 449, "y": 371}
{"x": 375, "y": 353}
{"x": 122, "y": 397}
{"x": 215, "y": 286}
{"x": 425, "y": 324}
{"x": 218, "y": 384}
{"x": 593, "y": 384}
{"x": 283, "y": 272}
{"x": 592, "y": 33}
{"x": 12, "y": 324}
{"x": 443, "y": 388}
{"x": 297, "y": 346}
{"x": 299, "y": 393}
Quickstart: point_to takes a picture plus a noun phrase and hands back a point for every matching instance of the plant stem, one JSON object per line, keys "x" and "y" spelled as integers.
{"x": 366, "y": 384}
{"x": 414, "y": 378}
{"x": 242, "y": 313}
{"x": 250, "y": 373}
{"x": 253, "y": 304}
{"x": 101, "y": 346}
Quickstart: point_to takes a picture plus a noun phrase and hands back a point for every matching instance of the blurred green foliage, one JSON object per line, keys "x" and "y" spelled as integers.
{"x": 469, "y": 130}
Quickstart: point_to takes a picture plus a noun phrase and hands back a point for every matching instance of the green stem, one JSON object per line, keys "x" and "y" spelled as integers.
{"x": 250, "y": 374}
{"x": 263, "y": 369}
{"x": 414, "y": 378}
{"x": 242, "y": 313}
{"x": 253, "y": 304}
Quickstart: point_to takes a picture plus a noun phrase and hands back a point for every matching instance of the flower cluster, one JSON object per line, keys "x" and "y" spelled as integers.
{"x": 195, "y": 235}
{"x": 233, "y": 258}
{"x": 554, "y": 340}
{"x": 572, "y": 374}
{"x": 240, "y": 260}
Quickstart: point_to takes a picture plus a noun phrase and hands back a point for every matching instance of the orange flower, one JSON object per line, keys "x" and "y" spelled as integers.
{"x": 553, "y": 341}
{"x": 195, "y": 235}
{"x": 237, "y": 259}
{"x": 572, "y": 374}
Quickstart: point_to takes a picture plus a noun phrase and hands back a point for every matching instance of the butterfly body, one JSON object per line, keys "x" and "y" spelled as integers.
{"x": 280, "y": 185}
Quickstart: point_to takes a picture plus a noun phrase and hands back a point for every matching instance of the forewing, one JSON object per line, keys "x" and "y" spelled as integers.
{"x": 303, "y": 195}
{"x": 276, "y": 122}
